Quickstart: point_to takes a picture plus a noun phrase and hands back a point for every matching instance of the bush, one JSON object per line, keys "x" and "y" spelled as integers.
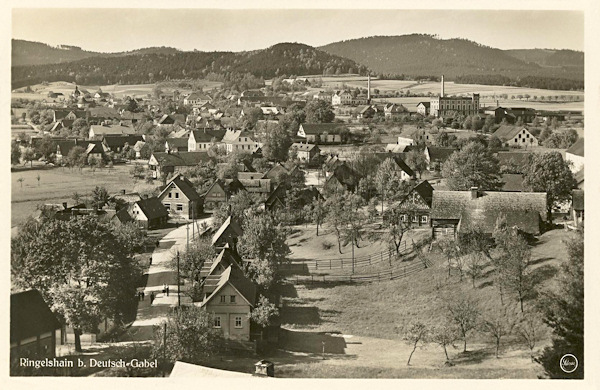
{"x": 327, "y": 245}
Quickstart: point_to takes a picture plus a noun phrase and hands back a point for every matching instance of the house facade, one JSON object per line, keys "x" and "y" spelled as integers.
{"x": 515, "y": 137}
{"x": 306, "y": 152}
{"x": 180, "y": 199}
{"x": 149, "y": 213}
{"x": 415, "y": 208}
{"x": 202, "y": 140}
{"x": 341, "y": 98}
{"x": 321, "y": 133}
{"x": 423, "y": 108}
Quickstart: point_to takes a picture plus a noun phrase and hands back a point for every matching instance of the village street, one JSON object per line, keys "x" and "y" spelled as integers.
{"x": 159, "y": 274}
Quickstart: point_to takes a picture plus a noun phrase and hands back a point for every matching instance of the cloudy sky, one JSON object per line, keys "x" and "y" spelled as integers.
{"x": 113, "y": 30}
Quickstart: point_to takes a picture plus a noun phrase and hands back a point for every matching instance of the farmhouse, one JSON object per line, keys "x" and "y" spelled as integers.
{"x": 423, "y": 108}
{"x": 230, "y": 301}
{"x": 513, "y": 114}
{"x": 99, "y": 131}
{"x": 202, "y": 140}
{"x": 415, "y": 136}
{"x": 162, "y": 163}
{"x": 219, "y": 193}
{"x": 416, "y": 205}
{"x": 180, "y": 198}
{"x": 342, "y": 178}
{"x": 32, "y": 327}
{"x": 516, "y": 137}
{"x": 575, "y": 155}
{"x": 175, "y": 145}
{"x": 392, "y": 110}
{"x": 453, "y": 212}
{"x": 196, "y": 99}
{"x": 117, "y": 143}
{"x": 306, "y": 152}
{"x": 321, "y": 133}
{"x": 240, "y": 141}
{"x": 226, "y": 257}
{"x": 149, "y": 213}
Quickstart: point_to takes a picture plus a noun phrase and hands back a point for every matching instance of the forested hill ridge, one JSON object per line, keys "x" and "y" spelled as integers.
{"x": 424, "y": 55}
{"x": 37, "y": 53}
{"x": 138, "y": 68}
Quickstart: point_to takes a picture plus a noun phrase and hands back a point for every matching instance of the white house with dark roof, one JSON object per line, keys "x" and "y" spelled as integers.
{"x": 180, "y": 198}
{"x": 149, "y": 213}
{"x": 306, "y": 152}
{"x": 324, "y": 133}
{"x": 575, "y": 155}
{"x": 515, "y": 137}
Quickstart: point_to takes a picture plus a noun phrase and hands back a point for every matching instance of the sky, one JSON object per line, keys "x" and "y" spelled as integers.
{"x": 114, "y": 30}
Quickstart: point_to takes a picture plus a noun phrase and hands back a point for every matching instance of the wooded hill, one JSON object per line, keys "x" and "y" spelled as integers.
{"x": 144, "y": 67}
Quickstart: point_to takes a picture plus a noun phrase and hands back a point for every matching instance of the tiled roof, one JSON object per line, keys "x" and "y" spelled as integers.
{"x": 577, "y": 148}
{"x": 228, "y": 223}
{"x": 152, "y": 208}
{"x": 184, "y": 185}
{"x": 320, "y": 128}
{"x": 30, "y": 316}
{"x": 181, "y": 159}
{"x": 507, "y": 132}
{"x": 177, "y": 142}
{"x": 235, "y": 277}
{"x": 112, "y": 130}
{"x": 119, "y": 141}
{"x": 208, "y": 135}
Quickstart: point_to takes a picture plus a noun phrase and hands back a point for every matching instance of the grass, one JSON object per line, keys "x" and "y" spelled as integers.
{"x": 57, "y": 185}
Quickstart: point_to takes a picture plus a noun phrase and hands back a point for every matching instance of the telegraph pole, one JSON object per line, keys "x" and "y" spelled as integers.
{"x": 178, "y": 283}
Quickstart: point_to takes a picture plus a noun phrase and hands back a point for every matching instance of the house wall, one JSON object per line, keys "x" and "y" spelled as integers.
{"x": 39, "y": 347}
{"x": 524, "y": 139}
{"x": 214, "y": 198}
{"x": 576, "y": 160}
{"x": 173, "y": 198}
{"x": 229, "y": 311}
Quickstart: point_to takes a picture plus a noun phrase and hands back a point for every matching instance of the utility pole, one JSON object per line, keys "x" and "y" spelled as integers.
{"x": 187, "y": 233}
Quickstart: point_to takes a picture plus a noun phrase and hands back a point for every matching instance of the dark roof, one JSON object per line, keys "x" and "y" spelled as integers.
{"x": 578, "y": 200}
{"x": 397, "y": 159}
{"x": 275, "y": 171}
{"x": 320, "y": 128}
{"x": 119, "y": 141}
{"x": 152, "y": 208}
{"x": 507, "y": 132}
{"x": 347, "y": 176}
{"x": 577, "y": 148}
{"x": 225, "y": 258}
{"x": 304, "y": 147}
{"x": 425, "y": 191}
{"x": 30, "y": 316}
{"x": 236, "y": 278}
{"x": 123, "y": 216}
{"x": 426, "y": 104}
{"x": 208, "y": 135}
{"x": 236, "y": 230}
{"x": 438, "y": 154}
{"x": 513, "y": 182}
{"x": 184, "y": 186}
{"x": 180, "y": 159}
{"x": 521, "y": 209}
{"x": 177, "y": 142}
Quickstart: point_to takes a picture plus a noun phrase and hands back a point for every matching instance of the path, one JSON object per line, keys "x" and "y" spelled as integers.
{"x": 159, "y": 274}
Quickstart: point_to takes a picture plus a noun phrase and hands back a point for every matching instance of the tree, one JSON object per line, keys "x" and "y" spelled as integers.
{"x": 264, "y": 242}
{"x": 531, "y": 330}
{"x": 494, "y": 143}
{"x": 80, "y": 128}
{"x": 549, "y": 173}
{"x": 192, "y": 260}
{"x": 319, "y": 111}
{"x": 417, "y": 161}
{"x": 397, "y": 223}
{"x": 100, "y": 197}
{"x": 513, "y": 263}
{"x": 414, "y": 334}
{"x": 498, "y": 324}
{"x": 190, "y": 336}
{"x": 316, "y": 212}
{"x": 264, "y": 312}
{"x": 46, "y": 148}
{"x": 563, "y": 313}
{"x": 76, "y": 157}
{"x": 15, "y": 153}
{"x": 451, "y": 252}
{"x": 29, "y": 155}
{"x": 444, "y": 335}
{"x": 464, "y": 312}
{"x": 79, "y": 266}
{"x": 474, "y": 246}
{"x": 473, "y": 166}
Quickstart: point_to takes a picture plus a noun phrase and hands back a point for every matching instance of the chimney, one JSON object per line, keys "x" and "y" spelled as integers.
{"x": 442, "y": 92}
{"x": 474, "y": 192}
{"x": 65, "y": 205}
{"x": 369, "y": 88}
{"x": 123, "y": 192}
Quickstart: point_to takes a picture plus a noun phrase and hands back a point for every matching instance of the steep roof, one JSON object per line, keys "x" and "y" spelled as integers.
{"x": 118, "y": 141}
{"x": 152, "y": 208}
{"x": 346, "y": 176}
{"x": 30, "y": 316}
{"x": 227, "y": 257}
{"x": 234, "y": 277}
{"x": 397, "y": 159}
{"x": 275, "y": 171}
{"x": 177, "y": 142}
{"x": 521, "y": 209}
{"x": 577, "y": 148}
{"x": 123, "y": 216}
{"x": 112, "y": 130}
{"x": 320, "y": 128}
{"x": 180, "y": 159}
{"x": 513, "y": 182}
{"x": 578, "y": 200}
{"x": 208, "y": 135}
{"x": 506, "y": 132}
{"x": 439, "y": 154}
{"x": 237, "y": 230}
{"x": 425, "y": 191}
{"x": 184, "y": 186}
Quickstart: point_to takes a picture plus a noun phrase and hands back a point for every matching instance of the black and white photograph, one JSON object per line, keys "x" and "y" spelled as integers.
{"x": 259, "y": 192}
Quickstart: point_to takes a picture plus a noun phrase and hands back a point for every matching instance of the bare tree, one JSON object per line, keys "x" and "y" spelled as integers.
{"x": 498, "y": 325}
{"x": 464, "y": 312}
{"x": 414, "y": 334}
{"x": 475, "y": 265}
{"x": 445, "y": 335}
{"x": 530, "y": 330}
{"x": 450, "y": 251}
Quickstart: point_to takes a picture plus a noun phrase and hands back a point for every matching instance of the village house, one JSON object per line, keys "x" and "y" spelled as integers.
{"x": 228, "y": 234}
{"x": 515, "y": 137}
{"x": 306, "y": 152}
{"x": 321, "y": 95}
{"x": 513, "y": 114}
{"x": 575, "y": 155}
{"x": 577, "y": 207}
{"x": 99, "y": 131}
{"x": 453, "y": 212}
{"x": 71, "y": 115}
{"x": 202, "y": 140}
{"x": 436, "y": 156}
{"x": 260, "y": 187}
{"x": 321, "y": 133}
{"x": 96, "y": 150}
{"x": 415, "y": 136}
{"x": 181, "y": 199}
{"x": 219, "y": 193}
{"x": 341, "y": 98}
{"x": 230, "y": 301}
{"x": 342, "y": 178}
{"x": 215, "y": 267}
{"x": 196, "y": 99}
{"x": 149, "y": 213}
{"x": 423, "y": 108}
{"x": 240, "y": 141}
{"x": 162, "y": 163}
{"x": 117, "y": 143}
{"x": 102, "y": 114}
{"x": 33, "y": 327}
{"x": 416, "y": 205}
{"x": 391, "y": 110}
{"x": 175, "y": 145}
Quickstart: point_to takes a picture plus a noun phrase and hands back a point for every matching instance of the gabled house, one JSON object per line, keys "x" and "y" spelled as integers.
{"x": 181, "y": 199}
{"x": 575, "y": 155}
{"x": 174, "y": 145}
{"x": 33, "y": 327}
{"x": 196, "y": 99}
{"x": 341, "y": 98}
{"x": 453, "y": 212}
{"x": 240, "y": 141}
{"x": 436, "y": 156}
{"x": 342, "y": 178}
{"x": 202, "y": 140}
{"x": 228, "y": 234}
{"x": 392, "y": 110}
{"x": 260, "y": 187}
{"x": 219, "y": 193}
{"x": 306, "y": 152}
{"x": 275, "y": 172}
{"x": 416, "y": 205}
{"x": 321, "y": 133}
{"x": 117, "y": 143}
{"x": 515, "y": 137}
{"x": 95, "y": 150}
{"x": 149, "y": 213}
{"x": 226, "y": 257}
{"x": 230, "y": 301}
{"x": 162, "y": 163}
{"x": 423, "y": 108}
{"x": 100, "y": 131}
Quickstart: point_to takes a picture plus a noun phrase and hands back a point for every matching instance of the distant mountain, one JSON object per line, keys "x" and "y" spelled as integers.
{"x": 146, "y": 66}
{"x": 548, "y": 57}
{"x": 36, "y": 53}
{"x": 425, "y": 55}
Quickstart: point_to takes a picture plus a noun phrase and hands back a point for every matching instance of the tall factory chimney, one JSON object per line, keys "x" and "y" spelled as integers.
{"x": 442, "y": 94}
{"x": 369, "y": 88}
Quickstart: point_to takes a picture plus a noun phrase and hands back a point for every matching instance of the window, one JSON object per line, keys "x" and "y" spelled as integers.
{"x": 527, "y": 136}
{"x": 179, "y": 207}
{"x": 238, "y": 322}
{"x": 403, "y": 218}
{"x": 223, "y": 299}
{"x": 424, "y": 219}
{"x": 232, "y": 299}
{"x": 168, "y": 206}
{"x": 217, "y": 322}
{"x": 177, "y": 195}
{"x": 170, "y": 195}
{"x": 415, "y": 218}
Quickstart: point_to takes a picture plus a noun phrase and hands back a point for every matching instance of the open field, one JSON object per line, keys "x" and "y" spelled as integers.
{"x": 57, "y": 185}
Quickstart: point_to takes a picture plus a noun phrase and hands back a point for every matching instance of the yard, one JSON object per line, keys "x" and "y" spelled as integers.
{"x": 57, "y": 185}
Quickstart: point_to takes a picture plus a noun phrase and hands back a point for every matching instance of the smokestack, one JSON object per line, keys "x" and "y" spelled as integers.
{"x": 442, "y": 93}
{"x": 369, "y": 88}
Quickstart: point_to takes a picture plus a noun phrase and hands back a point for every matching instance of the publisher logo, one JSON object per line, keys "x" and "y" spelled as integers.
{"x": 568, "y": 363}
